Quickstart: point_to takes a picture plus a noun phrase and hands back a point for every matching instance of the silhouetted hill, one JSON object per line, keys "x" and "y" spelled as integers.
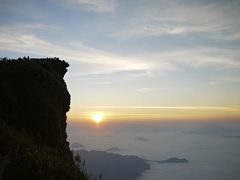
{"x": 142, "y": 139}
{"x": 174, "y": 160}
{"x": 33, "y": 105}
{"x": 113, "y": 149}
{"x": 113, "y": 166}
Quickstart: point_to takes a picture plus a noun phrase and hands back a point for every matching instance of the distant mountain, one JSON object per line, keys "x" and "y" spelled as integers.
{"x": 76, "y": 146}
{"x": 231, "y": 136}
{"x": 142, "y": 139}
{"x": 113, "y": 166}
{"x": 113, "y": 149}
{"x": 174, "y": 160}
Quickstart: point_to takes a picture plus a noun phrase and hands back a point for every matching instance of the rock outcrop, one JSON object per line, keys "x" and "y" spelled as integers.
{"x": 33, "y": 105}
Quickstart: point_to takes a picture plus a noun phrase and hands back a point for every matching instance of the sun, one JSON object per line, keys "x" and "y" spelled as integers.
{"x": 97, "y": 118}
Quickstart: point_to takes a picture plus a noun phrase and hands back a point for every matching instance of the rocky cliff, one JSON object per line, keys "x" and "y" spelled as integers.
{"x": 33, "y": 105}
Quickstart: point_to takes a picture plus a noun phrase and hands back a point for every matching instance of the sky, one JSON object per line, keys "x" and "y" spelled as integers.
{"x": 135, "y": 59}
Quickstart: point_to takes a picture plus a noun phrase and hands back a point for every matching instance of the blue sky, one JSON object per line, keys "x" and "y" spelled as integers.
{"x": 135, "y": 53}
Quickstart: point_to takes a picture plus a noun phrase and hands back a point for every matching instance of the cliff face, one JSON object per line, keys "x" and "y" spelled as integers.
{"x": 33, "y": 105}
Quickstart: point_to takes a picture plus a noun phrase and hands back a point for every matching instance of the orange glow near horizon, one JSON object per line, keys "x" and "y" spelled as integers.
{"x": 157, "y": 113}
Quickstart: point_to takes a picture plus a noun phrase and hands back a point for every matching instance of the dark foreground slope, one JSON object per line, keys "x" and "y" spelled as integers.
{"x": 33, "y": 105}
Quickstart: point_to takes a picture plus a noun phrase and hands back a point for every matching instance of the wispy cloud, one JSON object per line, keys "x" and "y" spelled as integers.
{"x": 230, "y": 79}
{"x": 212, "y": 83}
{"x": 151, "y": 90}
{"x": 104, "y": 82}
{"x": 102, "y": 62}
{"x": 100, "y": 6}
{"x": 158, "y": 18}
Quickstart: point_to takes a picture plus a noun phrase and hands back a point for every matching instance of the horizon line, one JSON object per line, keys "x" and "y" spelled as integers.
{"x": 237, "y": 107}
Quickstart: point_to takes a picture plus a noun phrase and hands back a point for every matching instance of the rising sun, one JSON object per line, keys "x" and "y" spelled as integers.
{"x": 97, "y": 118}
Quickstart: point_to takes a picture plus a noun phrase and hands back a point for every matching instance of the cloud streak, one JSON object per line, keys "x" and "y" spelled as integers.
{"x": 227, "y": 108}
{"x": 99, "y": 6}
{"x": 103, "y": 62}
{"x": 179, "y": 18}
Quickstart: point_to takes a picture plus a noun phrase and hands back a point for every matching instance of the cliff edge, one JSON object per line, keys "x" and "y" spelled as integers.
{"x": 33, "y": 105}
